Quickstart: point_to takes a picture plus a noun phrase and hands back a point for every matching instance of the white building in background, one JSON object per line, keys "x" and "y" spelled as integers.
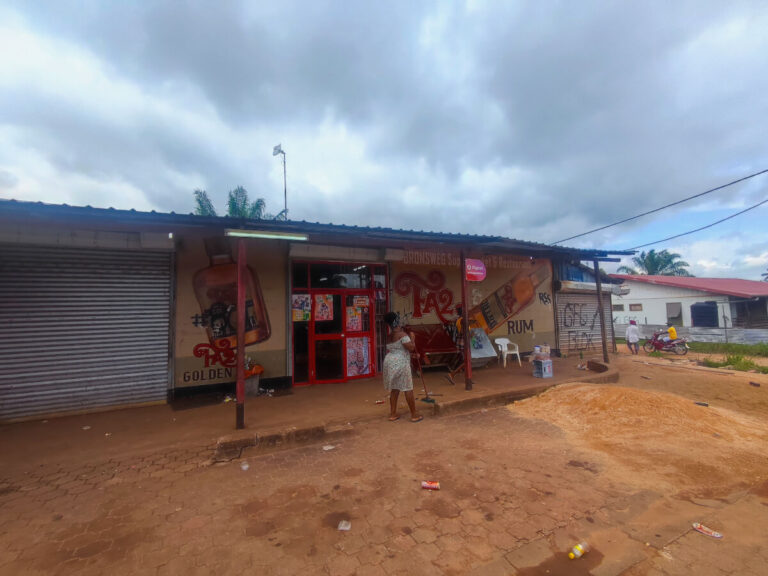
{"x": 692, "y": 302}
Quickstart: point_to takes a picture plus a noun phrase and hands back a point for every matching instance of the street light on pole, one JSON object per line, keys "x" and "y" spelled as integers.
{"x": 275, "y": 151}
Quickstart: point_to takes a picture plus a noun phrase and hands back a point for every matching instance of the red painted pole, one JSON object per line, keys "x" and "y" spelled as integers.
{"x": 465, "y": 323}
{"x": 240, "y": 418}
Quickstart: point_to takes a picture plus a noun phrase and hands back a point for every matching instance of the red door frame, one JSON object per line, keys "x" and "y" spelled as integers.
{"x": 370, "y": 292}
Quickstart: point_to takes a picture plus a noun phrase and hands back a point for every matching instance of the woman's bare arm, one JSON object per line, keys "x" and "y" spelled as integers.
{"x": 410, "y": 346}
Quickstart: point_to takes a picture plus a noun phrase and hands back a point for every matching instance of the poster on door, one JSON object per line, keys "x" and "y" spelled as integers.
{"x": 358, "y": 356}
{"x": 323, "y": 307}
{"x": 300, "y": 307}
{"x": 354, "y": 319}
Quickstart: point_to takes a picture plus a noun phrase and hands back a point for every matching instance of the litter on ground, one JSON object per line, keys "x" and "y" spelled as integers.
{"x": 706, "y": 531}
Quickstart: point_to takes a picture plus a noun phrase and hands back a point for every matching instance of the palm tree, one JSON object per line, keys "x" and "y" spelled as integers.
{"x": 765, "y": 276}
{"x": 238, "y": 205}
{"x": 654, "y": 263}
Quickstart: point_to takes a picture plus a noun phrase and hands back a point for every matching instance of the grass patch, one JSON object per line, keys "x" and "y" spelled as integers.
{"x": 736, "y": 362}
{"x": 656, "y": 354}
{"x": 760, "y": 349}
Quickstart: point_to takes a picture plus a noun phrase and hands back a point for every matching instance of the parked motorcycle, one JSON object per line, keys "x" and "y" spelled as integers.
{"x": 679, "y": 346}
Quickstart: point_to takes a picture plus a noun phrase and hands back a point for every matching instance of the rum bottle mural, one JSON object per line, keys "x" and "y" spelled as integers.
{"x": 509, "y": 299}
{"x": 216, "y": 292}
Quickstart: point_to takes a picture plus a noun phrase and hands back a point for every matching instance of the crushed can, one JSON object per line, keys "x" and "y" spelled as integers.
{"x": 427, "y": 485}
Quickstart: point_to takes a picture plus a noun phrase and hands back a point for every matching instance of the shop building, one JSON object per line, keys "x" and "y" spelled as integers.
{"x": 106, "y": 308}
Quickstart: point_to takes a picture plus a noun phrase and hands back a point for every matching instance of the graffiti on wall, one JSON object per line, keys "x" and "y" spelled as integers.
{"x": 427, "y": 296}
{"x": 578, "y": 323}
{"x": 626, "y": 318}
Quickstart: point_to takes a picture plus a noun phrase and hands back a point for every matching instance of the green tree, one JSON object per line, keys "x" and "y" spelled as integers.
{"x": 238, "y": 205}
{"x": 652, "y": 263}
{"x": 203, "y": 204}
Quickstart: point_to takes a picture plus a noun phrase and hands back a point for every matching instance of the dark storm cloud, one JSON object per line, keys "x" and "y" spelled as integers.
{"x": 287, "y": 62}
{"x": 590, "y": 110}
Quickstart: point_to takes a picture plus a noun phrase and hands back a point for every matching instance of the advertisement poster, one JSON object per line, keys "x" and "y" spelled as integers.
{"x": 514, "y": 300}
{"x": 323, "y": 307}
{"x": 358, "y": 357}
{"x": 300, "y": 307}
{"x": 354, "y": 319}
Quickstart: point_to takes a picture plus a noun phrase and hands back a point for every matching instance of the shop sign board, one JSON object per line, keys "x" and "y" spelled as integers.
{"x": 475, "y": 270}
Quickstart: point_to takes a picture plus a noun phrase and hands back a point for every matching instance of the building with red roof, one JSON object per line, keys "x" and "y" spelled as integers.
{"x": 692, "y": 302}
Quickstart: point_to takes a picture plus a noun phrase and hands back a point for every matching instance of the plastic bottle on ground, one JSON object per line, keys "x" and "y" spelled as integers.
{"x": 578, "y": 551}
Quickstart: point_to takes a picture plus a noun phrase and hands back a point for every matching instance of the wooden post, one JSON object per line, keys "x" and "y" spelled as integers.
{"x": 240, "y": 418}
{"x": 600, "y": 311}
{"x": 465, "y": 323}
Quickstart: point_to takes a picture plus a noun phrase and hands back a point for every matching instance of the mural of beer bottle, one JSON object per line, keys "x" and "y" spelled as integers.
{"x": 509, "y": 299}
{"x": 216, "y": 291}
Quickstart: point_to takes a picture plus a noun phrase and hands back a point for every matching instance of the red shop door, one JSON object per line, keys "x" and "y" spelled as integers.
{"x": 341, "y": 336}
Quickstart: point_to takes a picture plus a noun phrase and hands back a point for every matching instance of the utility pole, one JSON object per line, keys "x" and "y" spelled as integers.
{"x": 275, "y": 151}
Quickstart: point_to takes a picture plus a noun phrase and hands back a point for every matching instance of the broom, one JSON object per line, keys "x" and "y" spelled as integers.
{"x": 426, "y": 398}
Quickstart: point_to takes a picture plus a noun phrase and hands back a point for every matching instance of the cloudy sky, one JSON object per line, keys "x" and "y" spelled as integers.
{"x": 532, "y": 120}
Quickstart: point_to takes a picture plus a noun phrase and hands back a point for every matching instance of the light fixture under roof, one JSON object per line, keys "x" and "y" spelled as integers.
{"x": 267, "y": 234}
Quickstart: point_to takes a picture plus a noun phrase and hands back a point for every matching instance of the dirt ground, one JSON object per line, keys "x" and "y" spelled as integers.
{"x": 628, "y": 467}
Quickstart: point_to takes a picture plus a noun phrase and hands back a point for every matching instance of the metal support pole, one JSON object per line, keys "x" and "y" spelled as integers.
{"x": 285, "y": 187}
{"x": 240, "y": 418}
{"x": 600, "y": 311}
{"x": 465, "y": 323}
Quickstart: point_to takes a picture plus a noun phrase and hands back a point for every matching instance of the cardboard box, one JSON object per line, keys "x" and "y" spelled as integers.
{"x": 542, "y": 368}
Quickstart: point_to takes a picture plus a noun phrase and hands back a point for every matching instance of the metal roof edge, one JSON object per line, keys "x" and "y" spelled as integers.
{"x": 193, "y": 220}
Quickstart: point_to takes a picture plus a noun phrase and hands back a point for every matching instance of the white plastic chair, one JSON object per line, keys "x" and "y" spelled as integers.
{"x": 508, "y": 348}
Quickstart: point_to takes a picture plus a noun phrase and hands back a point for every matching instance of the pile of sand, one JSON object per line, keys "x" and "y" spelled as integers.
{"x": 654, "y": 434}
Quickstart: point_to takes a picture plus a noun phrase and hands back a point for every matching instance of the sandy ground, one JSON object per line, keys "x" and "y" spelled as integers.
{"x": 628, "y": 467}
{"x": 711, "y": 448}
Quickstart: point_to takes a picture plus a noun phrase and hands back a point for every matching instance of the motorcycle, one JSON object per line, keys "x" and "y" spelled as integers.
{"x": 679, "y": 346}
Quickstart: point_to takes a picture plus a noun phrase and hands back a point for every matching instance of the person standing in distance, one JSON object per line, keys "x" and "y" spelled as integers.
{"x": 633, "y": 337}
{"x": 397, "y": 367}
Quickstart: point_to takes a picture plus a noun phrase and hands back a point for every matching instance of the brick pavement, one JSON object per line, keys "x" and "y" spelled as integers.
{"x": 515, "y": 496}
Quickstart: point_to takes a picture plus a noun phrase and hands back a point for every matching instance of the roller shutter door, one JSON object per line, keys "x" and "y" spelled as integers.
{"x": 82, "y": 328}
{"x": 579, "y": 323}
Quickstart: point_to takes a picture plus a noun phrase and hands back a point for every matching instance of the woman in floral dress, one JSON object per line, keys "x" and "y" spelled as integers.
{"x": 397, "y": 367}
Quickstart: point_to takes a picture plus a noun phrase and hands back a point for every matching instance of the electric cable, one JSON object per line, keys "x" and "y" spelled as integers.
{"x": 700, "y": 194}
{"x": 702, "y": 228}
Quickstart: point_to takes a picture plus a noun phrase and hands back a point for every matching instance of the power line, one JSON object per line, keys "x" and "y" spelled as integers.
{"x": 702, "y": 228}
{"x": 664, "y": 207}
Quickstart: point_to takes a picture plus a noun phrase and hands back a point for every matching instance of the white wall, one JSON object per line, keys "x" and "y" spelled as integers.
{"x": 654, "y": 299}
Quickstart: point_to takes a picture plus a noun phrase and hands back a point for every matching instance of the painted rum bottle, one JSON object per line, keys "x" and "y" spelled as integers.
{"x": 216, "y": 291}
{"x": 509, "y": 299}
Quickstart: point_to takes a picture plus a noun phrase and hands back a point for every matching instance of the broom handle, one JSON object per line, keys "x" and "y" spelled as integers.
{"x": 418, "y": 364}
{"x": 421, "y": 374}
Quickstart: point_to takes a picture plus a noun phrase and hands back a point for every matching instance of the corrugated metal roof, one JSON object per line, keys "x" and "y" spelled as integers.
{"x": 727, "y": 286}
{"x": 89, "y": 213}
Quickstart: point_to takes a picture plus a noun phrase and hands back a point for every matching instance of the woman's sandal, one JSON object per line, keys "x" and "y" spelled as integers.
{"x": 394, "y": 418}
{"x": 417, "y": 419}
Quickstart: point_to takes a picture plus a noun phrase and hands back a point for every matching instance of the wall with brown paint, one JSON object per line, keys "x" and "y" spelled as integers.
{"x": 513, "y": 301}
{"x": 268, "y": 261}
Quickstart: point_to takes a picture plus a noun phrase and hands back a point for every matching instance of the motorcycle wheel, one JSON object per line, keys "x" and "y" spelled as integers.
{"x": 648, "y": 346}
{"x": 681, "y": 349}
